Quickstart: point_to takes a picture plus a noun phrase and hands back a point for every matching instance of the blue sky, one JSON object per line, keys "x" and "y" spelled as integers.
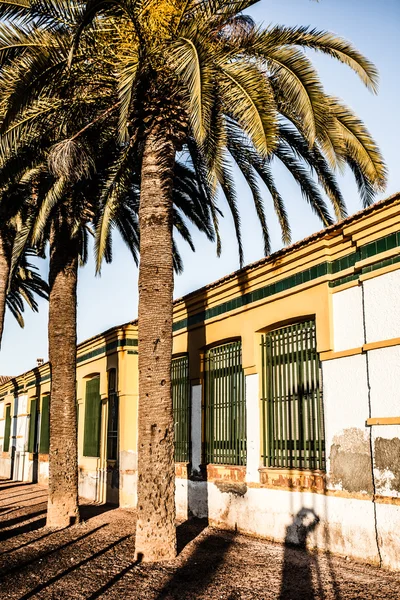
{"x": 111, "y": 299}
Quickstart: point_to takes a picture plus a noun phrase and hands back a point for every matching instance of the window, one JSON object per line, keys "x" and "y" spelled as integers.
{"x": 45, "y": 426}
{"x": 113, "y": 409}
{"x": 225, "y": 408}
{"x": 7, "y": 429}
{"x": 91, "y": 438}
{"x": 293, "y": 424}
{"x": 181, "y": 405}
{"x": 32, "y": 440}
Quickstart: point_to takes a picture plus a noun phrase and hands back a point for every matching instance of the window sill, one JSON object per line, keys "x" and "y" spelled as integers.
{"x": 182, "y": 470}
{"x": 299, "y": 480}
{"x": 231, "y": 473}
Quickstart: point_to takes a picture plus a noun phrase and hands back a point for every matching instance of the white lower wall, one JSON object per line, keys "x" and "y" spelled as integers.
{"x": 344, "y": 526}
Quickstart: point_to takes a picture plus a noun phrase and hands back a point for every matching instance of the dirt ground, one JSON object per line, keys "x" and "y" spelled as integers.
{"x": 95, "y": 560}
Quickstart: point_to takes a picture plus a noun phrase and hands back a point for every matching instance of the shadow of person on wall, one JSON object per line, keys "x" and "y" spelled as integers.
{"x": 298, "y": 563}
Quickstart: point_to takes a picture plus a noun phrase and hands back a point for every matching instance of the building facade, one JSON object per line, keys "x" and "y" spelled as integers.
{"x": 286, "y": 388}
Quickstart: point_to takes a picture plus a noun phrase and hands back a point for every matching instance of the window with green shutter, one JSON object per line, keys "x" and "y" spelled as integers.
{"x": 7, "y": 429}
{"x": 91, "y": 438}
{"x": 292, "y": 407}
{"x": 45, "y": 425}
{"x": 32, "y": 441}
{"x": 225, "y": 406}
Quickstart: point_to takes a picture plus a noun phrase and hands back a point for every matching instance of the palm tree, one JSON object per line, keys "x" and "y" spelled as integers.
{"x": 65, "y": 210}
{"x": 202, "y": 76}
{"x": 199, "y": 79}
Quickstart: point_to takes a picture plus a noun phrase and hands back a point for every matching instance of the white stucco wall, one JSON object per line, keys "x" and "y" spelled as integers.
{"x": 384, "y": 378}
{"x": 348, "y": 323}
{"x": 382, "y": 307}
{"x": 252, "y": 427}
{"x": 345, "y": 395}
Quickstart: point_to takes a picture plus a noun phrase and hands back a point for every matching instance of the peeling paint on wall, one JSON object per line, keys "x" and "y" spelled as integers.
{"x": 350, "y": 461}
{"x": 387, "y": 460}
{"x": 237, "y": 489}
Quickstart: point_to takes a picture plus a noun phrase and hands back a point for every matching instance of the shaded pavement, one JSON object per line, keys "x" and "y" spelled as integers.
{"x": 95, "y": 560}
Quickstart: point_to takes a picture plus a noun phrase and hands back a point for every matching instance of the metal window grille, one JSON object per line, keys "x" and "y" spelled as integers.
{"x": 292, "y": 408}
{"x": 45, "y": 426}
{"x": 7, "y": 429}
{"x": 113, "y": 410}
{"x": 32, "y": 440}
{"x": 225, "y": 407}
{"x": 181, "y": 406}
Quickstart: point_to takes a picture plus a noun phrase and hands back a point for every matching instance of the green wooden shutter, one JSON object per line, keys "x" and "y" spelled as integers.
{"x": 7, "y": 429}
{"x": 44, "y": 426}
{"x": 91, "y": 438}
{"x": 32, "y": 426}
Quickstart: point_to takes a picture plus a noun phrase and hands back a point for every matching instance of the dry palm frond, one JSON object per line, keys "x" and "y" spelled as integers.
{"x": 71, "y": 160}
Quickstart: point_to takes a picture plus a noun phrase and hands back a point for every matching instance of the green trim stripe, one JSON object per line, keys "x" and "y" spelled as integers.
{"x": 107, "y": 348}
{"x": 41, "y": 380}
{"x": 328, "y": 267}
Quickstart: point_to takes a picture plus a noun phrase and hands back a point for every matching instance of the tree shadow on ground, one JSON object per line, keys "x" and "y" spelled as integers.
{"x": 187, "y": 531}
{"x": 20, "y": 519}
{"x": 188, "y": 580}
{"x": 28, "y": 499}
{"x": 73, "y": 568}
{"x": 88, "y": 511}
{"x": 14, "y": 484}
{"x": 192, "y": 578}
{"x": 19, "y": 565}
{"x": 31, "y": 526}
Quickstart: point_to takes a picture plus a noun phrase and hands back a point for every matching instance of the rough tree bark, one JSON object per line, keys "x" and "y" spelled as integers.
{"x": 155, "y": 530}
{"x": 4, "y": 274}
{"x": 63, "y": 509}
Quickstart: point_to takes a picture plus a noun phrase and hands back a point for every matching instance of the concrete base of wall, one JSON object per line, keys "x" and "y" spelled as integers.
{"x": 343, "y": 526}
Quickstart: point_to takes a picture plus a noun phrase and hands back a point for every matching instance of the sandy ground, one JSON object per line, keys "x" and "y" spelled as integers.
{"x": 95, "y": 560}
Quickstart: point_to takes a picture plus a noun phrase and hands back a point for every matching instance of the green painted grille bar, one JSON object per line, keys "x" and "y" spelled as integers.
{"x": 32, "y": 426}
{"x": 45, "y": 425}
{"x": 181, "y": 406}
{"x": 7, "y": 429}
{"x": 225, "y": 406}
{"x": 292, "y": 410}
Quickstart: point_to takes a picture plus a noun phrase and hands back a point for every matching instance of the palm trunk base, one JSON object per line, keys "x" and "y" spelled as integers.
{"x": 62, "y": 512}
{"x": 155, "y": 528}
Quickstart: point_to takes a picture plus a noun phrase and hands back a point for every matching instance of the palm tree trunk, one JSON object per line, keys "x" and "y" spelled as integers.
{"x": 4, "y": 274}
{"x": 155, "y": 530}
{"x": 63, "y": 509}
